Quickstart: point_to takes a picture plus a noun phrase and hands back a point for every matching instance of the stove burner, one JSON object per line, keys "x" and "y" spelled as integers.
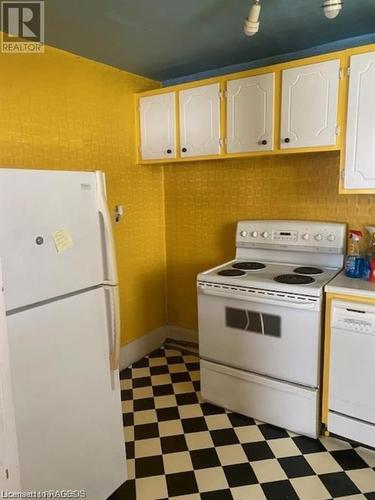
{"x": 249, "y": 266}
{"x": 308, "y": 270}
{"x": 231, "y": 272}
{"x": 294, "y": 279}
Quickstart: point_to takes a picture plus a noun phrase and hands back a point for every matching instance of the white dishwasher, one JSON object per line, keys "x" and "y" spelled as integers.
{"x": 352, "y": 372}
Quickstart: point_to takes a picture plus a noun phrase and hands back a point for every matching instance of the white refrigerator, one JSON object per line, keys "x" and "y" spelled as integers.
{"x": 62, "y": 329}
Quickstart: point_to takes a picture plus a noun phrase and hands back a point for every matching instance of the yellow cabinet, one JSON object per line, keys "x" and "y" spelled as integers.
{"x": 293, "y": 107}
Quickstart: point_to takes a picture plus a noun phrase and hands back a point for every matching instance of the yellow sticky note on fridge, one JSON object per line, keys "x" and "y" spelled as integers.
{"x": 63, "y": 240}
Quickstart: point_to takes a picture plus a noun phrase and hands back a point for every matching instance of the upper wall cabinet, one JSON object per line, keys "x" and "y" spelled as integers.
{"x": 293, "y": 107}
{"x": 200, "y": 120}
{"x": 157, "y": 126}
{"x": 309, "y": 105}
{"x": 360, "y": 132}
{"x": 250, "y": 113}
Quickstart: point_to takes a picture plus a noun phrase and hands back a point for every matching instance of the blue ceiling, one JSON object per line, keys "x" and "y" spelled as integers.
{"x": 169, "y": 39}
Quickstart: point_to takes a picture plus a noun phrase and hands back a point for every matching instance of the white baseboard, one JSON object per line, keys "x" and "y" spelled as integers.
{"x": 139, "y": 348}
{"x": 178, "y": 333}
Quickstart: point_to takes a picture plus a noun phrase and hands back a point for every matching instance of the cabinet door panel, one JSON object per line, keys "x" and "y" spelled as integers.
{"x": 309, "y": 105}
{"x": 200, "y": 120}
{"x": 157, "y": 124}
{"x": 250, "y": 110}
{"x": 360, "y": 133}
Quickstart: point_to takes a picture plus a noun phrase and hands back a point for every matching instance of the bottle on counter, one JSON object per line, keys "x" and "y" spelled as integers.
{"x": 369, "y": 267}
{"x": 354, "y": 260}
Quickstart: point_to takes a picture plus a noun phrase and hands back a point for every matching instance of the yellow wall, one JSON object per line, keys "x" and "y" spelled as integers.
{"x": 204, "y": 200}
{"x": 60, "y": 111}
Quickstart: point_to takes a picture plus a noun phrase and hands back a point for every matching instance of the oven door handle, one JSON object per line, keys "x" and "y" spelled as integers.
{"x": 262, "y": 300}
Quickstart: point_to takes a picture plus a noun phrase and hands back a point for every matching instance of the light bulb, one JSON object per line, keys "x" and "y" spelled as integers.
{"x": 251, "y": 25}
{"x": 332, "y": 8}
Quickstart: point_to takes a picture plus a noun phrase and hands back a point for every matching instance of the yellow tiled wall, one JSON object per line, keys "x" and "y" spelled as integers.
{"x": 204, "y": 200}
{"x": 61, "y": 111}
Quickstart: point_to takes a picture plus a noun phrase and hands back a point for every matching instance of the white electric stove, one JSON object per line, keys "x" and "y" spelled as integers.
{"x": 260, "y": 321}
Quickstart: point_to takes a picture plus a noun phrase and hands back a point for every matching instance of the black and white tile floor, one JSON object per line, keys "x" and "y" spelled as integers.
{"x": 180, "y": 447}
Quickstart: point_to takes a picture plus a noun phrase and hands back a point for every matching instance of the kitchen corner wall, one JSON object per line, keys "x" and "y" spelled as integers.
{"x": 61, "y": 111}
{"x": 204, "y": 200}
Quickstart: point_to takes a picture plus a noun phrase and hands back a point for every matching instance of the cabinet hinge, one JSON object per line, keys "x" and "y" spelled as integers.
{"x": 337, "y": 130}
{"x": 223, "y": 94}
{"x": 342, "y": 174}
{"x": 341, "y": 73}
{"x": 221, "y": 142}
{"x": 7, "y": 473}
{"x": 348, "y": 71}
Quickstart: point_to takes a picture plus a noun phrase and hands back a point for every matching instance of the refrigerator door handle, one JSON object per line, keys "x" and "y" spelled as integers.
{"x": 114, "y": 355}
{"x": 110, "y": 273}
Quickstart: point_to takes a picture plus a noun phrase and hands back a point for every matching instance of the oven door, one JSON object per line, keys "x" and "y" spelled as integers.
{"x": 277, "y": 337}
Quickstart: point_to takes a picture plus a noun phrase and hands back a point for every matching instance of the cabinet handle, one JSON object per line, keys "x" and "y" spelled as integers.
{"x": 264, "y": 142}
{"x": 169, "y": 151}
{"x": 286, "y": 139}
{"x": 184, "y": 150}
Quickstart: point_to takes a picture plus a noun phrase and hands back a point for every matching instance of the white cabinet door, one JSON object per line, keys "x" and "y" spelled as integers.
{"x": 157, "y": 126}
{"x": 250, "y": 111}
{"x": 309, "y": 105}
{"x": 200, "y": 120}
{"x": 360, "y": 132}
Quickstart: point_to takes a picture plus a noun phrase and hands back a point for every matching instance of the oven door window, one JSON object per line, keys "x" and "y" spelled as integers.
{"x": 253, "y": 321}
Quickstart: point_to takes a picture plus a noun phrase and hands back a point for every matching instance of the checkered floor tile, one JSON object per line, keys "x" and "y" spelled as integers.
{"x": 181, "y": 447}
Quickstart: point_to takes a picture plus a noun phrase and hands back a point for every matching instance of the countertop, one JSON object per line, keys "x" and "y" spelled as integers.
{"x": 341, "y": 284}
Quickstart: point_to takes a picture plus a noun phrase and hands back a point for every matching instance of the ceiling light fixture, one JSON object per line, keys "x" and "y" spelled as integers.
{"x": 251, "y": 25}
{"x": 332, "y": 8}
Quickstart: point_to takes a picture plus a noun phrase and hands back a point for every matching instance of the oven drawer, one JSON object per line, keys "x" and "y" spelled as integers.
{"x": 261, "y": 336}
{"x": 278, "y": 403}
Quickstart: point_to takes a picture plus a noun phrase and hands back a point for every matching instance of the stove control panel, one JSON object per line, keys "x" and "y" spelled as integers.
{"x": 309, "y": 236}
{"x": 285, "y": 235}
